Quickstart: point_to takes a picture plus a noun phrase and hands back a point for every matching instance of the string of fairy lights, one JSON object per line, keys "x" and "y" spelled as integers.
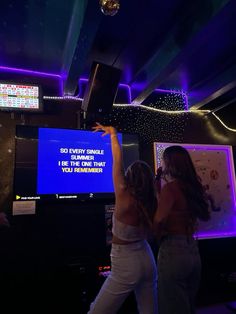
{"x": 172, "y": 101}
{"x": 151, "y": 119}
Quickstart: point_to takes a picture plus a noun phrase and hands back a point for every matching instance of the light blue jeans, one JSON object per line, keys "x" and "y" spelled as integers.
{"x": 179, "y": 273}
{"x": 133, "y": 268}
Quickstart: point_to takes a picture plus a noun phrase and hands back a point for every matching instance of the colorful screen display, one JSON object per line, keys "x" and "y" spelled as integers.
{"x": 20, "y": 97}
{"x": 53, "y": 163}
{"x": 70, "y": 161}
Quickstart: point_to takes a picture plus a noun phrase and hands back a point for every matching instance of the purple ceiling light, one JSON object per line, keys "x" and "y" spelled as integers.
{"x": 36, "y": 73}
{"x": 62, "y": 77}
{"x": 127, "y": 87}
{"x": 31, "y": 72}
{"x": 121, "y": 85}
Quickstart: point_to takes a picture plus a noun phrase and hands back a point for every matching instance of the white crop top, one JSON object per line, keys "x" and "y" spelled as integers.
{"x": 127, "y": 232}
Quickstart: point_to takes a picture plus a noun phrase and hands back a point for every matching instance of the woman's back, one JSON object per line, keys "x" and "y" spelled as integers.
{"x": 179, "y": 220}
{"x": 127, "y": 226}
{"x": 133, "y": 267}
{"x": 126, "y": 208}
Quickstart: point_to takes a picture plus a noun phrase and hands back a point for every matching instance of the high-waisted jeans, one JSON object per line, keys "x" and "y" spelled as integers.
{"x": 179, "y": 273}
{"x": 133, "y": 268}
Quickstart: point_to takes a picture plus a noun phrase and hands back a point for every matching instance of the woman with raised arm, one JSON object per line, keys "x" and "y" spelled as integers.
{"x": 133, "y": 266}
{"x": 181, "y": 202}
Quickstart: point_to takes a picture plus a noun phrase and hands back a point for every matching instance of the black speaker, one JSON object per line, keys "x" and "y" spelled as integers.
{"x": 101, "y": 89}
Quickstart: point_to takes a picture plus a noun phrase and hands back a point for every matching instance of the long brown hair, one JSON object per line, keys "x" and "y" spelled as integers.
{"x": 179, "y": 165}
{"x": 140, "y": 182}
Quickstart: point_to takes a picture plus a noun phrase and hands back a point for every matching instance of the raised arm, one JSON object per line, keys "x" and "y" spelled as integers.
{"x": 117, "y": 167}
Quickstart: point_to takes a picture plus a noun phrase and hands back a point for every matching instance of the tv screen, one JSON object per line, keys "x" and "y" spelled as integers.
{"x": 20, "y": 97}
{"x": 53, "y": 163}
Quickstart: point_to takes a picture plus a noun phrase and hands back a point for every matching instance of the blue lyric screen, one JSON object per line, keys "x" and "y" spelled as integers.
{"x": 57, "y": 163}
{"x": 74, "y": 162}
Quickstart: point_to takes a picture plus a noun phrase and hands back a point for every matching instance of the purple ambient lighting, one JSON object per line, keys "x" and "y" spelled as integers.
{"x": 38, "y": 73}
{"x": 129, "y": 91}
{"x": 160, "y": 90}
{"x": 62, "y": 77}
{"x": 126, "y": 86}
{"x": 121, "y": 85}
{"x": 186, "y": 107}
{"x": 80, "y": 82}
{"x": 211, "y": 235}
{"x": 138, "y": 87}
{"x": 61, "y": 87}
{"x": 230, "y": 165}
{"x": 231, "y": 170}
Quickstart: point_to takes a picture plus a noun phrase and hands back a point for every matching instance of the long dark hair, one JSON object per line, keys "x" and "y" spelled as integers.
{"x": 140, "y": 183}
{"x": 179, "y": 165}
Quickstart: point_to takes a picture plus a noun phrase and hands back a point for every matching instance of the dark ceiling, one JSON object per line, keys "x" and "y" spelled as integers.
{"x": 184, "y": 45}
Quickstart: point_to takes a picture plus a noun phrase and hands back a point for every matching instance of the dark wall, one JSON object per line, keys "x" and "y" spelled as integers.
{"x": 150, "y": 125}
{"x": 57, "y": 114}
{"x": 51, "y": 256}
{"x": 59, "y": 241}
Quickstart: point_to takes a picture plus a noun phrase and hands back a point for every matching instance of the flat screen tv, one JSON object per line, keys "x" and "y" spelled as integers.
{"x": 54, "y": 163}
{"x": 20, "y": 97}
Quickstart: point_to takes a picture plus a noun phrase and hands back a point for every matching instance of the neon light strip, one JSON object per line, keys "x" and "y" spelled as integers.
{"x": 120, "y": 85}
{"x": 172, "y": 91}
{"x": 230, "y": 129}
{"x": 231, "y": 167}
{"x": 186, "y": 101}
{"x": 37, "y": 73}
{"x": 62, "y": 77}
{"x": 8, "y": 69}
{"x": 80, "y": 85}
{"x": 61, "y": 86}
{"x": 202, "y": 236}
{"x": 129, "y": 91}
{"x": 157, "y": 90}
{"x": 63, "y": 97}
{"x": 162, "y": 110}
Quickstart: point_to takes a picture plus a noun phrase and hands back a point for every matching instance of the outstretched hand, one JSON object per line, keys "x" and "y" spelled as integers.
{"x": 106, "y": 129}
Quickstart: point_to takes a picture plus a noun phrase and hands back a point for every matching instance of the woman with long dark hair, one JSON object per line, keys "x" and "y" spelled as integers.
{"x": 133, "y": 267}
{"x": 181, "y": 202}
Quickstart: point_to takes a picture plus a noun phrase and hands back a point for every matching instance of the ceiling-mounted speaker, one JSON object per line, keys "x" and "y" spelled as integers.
{"x": 101, "y": 89}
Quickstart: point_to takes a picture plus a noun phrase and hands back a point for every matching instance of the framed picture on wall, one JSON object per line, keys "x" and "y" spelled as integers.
{"x": 215, "y": 166}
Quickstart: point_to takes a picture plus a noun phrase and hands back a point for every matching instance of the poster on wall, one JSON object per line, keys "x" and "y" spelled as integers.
{"x": 215, "y": 166}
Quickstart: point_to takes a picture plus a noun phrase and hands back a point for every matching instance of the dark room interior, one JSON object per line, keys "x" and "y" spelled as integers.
{"x": 160, "y": 72}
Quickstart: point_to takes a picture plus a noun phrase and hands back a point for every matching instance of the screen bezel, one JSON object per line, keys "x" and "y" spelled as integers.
{"x": 33, "y": 131}
{"x": 24, "y": 110}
